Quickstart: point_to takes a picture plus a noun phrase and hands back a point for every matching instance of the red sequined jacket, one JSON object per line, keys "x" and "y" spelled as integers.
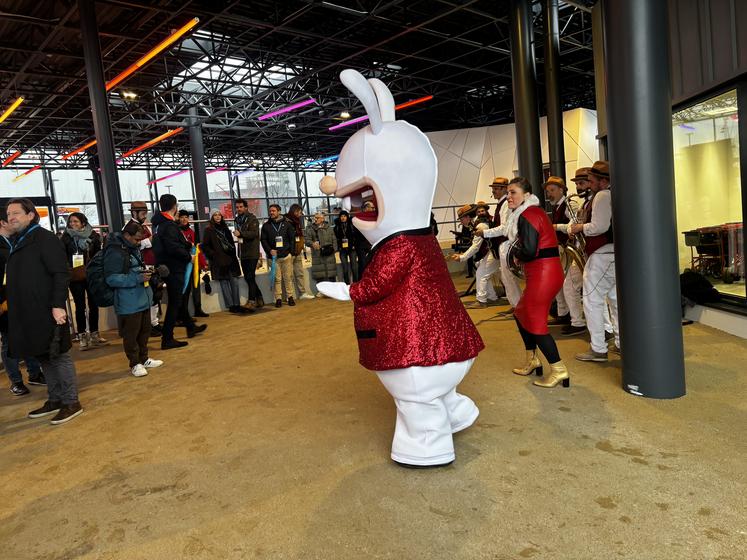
{"x": 407, "y": 312}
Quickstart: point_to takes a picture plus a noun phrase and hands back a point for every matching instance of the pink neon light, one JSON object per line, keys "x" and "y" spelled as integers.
{"x": 287, "y": 109}
{"x": 348, "y": 123}
{"x": 154, "y": 181}
{"x": 396, "y": 108}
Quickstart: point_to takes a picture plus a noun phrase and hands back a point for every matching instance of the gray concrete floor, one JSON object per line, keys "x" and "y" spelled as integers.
{"x": 265, "y": 439}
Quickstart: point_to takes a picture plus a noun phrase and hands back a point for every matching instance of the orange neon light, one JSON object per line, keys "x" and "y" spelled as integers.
{"x": 153, "y": 142}
{"x": 10, "y": 109}
{"x": 83, "y": 148}
{"x": 22, "y": 175}
{"x": 147, "y": 57}
{"x": 413, "y": 102}
{"x": 11, "y": 158}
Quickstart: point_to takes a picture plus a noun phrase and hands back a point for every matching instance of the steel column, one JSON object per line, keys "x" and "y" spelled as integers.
{"x": 552, "y": 90}
{"x": 100, "y": 112}
{"x": 197, "y": 151}
{"x": 639, "y": 113}
{"x": 526, "y": 115}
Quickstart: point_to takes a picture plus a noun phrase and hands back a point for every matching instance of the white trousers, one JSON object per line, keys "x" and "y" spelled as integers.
{"x": 487, "y": 267}
{"x": 429, "y": 410}
{"x": 509, "y": 281}
{"x": 599, "y": 290}
{"x": 154, "y": 315}
{"x": 571, "y": 296}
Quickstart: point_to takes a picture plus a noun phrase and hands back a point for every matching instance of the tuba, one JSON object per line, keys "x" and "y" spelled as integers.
{"x": 574, "y": 249}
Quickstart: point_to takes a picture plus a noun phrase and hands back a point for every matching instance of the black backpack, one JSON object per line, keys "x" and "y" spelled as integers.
{"x": 98, "y": 290}
{"x": 696, "y": 288}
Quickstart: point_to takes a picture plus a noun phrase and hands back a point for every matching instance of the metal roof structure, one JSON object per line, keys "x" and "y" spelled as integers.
{"x": 245, "y": 59}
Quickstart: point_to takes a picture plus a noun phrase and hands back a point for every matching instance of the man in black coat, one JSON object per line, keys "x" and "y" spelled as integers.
{"x": 247, "y": 235}
{"x": 174, "y": 251}
{"x": 37, "y": 277}
{"x": 278, "y": 237}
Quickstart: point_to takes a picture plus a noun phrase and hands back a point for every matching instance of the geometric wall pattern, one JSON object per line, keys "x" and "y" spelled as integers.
{"x": 469, "y": 158}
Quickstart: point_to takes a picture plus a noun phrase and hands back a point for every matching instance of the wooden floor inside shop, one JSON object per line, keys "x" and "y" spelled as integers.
{"x": 265, "y": 439}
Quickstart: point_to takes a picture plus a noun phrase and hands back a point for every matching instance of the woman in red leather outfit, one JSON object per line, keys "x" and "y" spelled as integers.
{"x": 537, "y": 249}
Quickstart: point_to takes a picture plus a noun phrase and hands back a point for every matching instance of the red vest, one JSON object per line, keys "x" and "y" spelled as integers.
{"x": 594, "y": 242}
{"x": 559, "y": 217}
{"x": 485, "y": 245}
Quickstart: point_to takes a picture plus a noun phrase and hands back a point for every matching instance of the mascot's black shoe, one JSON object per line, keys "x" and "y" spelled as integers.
{"x": 409, "y": 466}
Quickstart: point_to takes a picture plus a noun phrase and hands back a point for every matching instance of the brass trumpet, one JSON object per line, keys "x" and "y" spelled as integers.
{"x": 574, "y": 249}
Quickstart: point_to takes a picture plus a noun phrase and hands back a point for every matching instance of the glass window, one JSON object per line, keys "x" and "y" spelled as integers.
{"x": 281, "y": 188}
{"x": 30, "y": 185}
{"x": 133, "y": 185}
{"x": 179, "y": 185}
{"x": 251, "y": 185}
{"x": 74, "y": 191}
{"x": 708, "y": 189}
{"x": 312, "y": 182}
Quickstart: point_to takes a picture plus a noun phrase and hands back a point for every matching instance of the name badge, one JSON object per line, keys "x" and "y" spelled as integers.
{"x": 77, "y": 260}
{"x": 344, "y": 243}
{"x": 279, "y": 242}
{"x": 298, "y": 239}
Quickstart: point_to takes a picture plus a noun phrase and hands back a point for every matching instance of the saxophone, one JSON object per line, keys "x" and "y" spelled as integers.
{"x": 574, "y": 249}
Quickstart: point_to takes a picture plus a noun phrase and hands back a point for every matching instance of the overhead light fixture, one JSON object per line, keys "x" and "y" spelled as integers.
{"x": 319, "y": 161}
{"x": 291, "y": 125}
{"x": 344, "y": 115}
{"x": 29, "y": 172}
{"x": 392, "y": 66}
{"x": 11, "y": 158}
{"x": 10, "y": 109}
{"x": 287, "y": 109}
{"x": 129, "y": 94}
{"x": 154, "y": 181}
{"x": 396, "y": 108}
{"x": 83, "y": 148}
{"x": 151, "y": 143}
{"x": 160, "y": 47}
{"x": 244, "y": 172}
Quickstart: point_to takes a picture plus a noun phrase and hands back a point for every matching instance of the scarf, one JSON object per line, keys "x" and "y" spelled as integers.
{"x": 81, "y": 238}
{"x": 512, "y": 227}
{"x": 296, "y": 221}
{"x": 240, "y": 220}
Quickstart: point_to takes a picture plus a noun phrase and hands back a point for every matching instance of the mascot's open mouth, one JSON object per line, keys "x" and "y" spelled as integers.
{"x": 362, "y": 204}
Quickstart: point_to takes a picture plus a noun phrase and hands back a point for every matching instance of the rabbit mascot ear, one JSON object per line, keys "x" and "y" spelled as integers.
{"x": 391, "y": 159}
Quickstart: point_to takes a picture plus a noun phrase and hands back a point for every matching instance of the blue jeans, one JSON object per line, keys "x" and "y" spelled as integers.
{"x": 11, "y": 364}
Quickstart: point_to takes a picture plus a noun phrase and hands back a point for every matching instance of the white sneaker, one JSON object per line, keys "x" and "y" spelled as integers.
{"x": 151, "y": 363}
{"x": 319, "y": 295}
{"x": 306, "y": 296}
{"x": 139, "y": 370}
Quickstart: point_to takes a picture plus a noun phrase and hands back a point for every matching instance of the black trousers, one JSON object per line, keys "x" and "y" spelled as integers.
{"x": 545, "y": 342}
{"x": 196, "y": 298}
{"x": 175, "y": 310}
{"x": 249, "y": 268}
{"x": 135, "y": 330}
{"x": 79, "y": 291}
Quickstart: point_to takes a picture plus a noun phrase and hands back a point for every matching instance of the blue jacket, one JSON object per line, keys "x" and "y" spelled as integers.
{"x": 130, "y": 294}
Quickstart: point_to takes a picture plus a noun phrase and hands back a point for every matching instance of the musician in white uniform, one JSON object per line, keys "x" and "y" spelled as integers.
{"x": 487, "y": 264}
{"x": 499, "y": 241}
{"x": 570, "y": 307}
{"x": 599, "y": 273}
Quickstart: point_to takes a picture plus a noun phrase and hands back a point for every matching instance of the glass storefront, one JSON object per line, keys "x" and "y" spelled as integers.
{"x": 709, "y": 191}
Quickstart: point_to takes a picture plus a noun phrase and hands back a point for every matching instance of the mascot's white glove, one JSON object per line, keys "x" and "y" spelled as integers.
{"x": 335, "y": 290}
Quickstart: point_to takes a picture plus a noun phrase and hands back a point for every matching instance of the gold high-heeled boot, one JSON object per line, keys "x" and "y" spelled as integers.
{"x": 533, "y": 365}
{"x": 558, "y": 373}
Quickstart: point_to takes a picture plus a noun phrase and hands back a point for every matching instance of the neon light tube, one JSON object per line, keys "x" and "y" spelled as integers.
{"x": 11, "y": 158}
{"x": 154, "y": 181}
{"x": 323, "y": 160}
{"x": 240, "y": 173}
{"x": 160, "y": 47}
{"x": 83, "y": 148}
{"x": 396, "y": 108}
{"x": 22, "y": 175}
{"x": 287, "y": 109}
{"x": 10, "y": 109}
{"x": 151, "y": 143}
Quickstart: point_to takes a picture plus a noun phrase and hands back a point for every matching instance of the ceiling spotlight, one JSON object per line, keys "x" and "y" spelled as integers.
{"x": 291, "y": 125}
{"x": 393, "y": 66}
{"x": 344, "y": 115}
{"x": 129, "y": 94}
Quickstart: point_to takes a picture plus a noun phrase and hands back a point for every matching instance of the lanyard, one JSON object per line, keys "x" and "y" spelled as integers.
{"x": 15, "y": 245}
{"x": 277, "y": 229}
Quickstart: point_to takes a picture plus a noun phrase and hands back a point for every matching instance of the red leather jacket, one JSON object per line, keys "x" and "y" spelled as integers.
{"x": 407, "y": 312}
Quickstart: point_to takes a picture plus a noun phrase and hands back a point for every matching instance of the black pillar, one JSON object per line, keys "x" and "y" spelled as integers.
{"x": 197, "y": 151}
{"x": 100, "y": 111}
{"x": 526, "y": 115}
{"x": 552, "y": 90}
{"x": 639, "y": 119}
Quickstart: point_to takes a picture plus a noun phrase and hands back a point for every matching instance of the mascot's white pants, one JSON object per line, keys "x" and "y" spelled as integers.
{"x": 429, "y": 410}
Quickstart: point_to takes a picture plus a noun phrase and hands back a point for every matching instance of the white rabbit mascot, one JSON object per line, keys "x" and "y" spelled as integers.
{"x": 412, "y": 329}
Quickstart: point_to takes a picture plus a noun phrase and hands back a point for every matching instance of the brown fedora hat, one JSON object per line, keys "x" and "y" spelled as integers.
{"x": 582, "y": 174}
{"x": 466, "y": 210}
{"x": 138, "y": 205}
{"x": 499, "y": 182}
{"x": 482, "y": 204}
{"x": 601, "y": 169}
{"x": 552, "y": 180}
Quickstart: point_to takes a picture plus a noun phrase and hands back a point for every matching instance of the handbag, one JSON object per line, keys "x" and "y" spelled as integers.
{"x": 225, "y": 244}
{"x": 327, "y": 250}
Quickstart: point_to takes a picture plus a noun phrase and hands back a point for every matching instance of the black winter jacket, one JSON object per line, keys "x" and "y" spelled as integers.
{"x": 248, "y": 227}
{"x": 37, "y": 280}
{"x": 169, "y": 245}
{"x": 281, "y": 228}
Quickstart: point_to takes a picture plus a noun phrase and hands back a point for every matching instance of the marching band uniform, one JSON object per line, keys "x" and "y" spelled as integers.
{"x": 498, "y": 238}
{"x": 599, "y": 272}
{"x": 487, "y": 265}
{"x": 569, "y": 298}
